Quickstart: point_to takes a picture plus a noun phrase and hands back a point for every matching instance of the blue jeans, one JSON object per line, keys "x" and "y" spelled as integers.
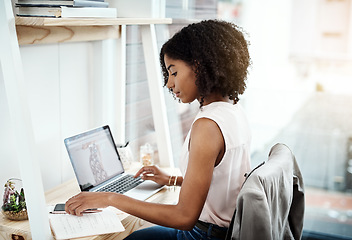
{"x": 164, "y": 233}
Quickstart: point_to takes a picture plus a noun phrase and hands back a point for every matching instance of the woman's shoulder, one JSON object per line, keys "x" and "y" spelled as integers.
{"x": 230, "y": 119}
{"x": 219, "y": 110}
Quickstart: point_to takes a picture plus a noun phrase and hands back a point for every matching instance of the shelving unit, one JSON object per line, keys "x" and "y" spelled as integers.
{"x": 18, "y": 31}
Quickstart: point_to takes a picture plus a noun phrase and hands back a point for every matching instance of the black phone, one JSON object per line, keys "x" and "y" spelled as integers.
{"x": 59, "y": 208}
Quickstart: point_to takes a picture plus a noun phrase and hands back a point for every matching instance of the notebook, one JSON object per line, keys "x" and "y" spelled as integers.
{"x": 98, "y": 167}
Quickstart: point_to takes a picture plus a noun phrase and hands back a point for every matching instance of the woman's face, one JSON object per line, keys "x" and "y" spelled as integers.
{"x": 181, "y": 80}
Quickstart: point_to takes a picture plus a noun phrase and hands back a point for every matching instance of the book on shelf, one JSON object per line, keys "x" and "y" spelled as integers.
{"x": 67, "y": 12}
{"x": 58, "y": 3}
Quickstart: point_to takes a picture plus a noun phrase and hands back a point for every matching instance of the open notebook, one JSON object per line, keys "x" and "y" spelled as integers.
{"x": 67, "y": 226}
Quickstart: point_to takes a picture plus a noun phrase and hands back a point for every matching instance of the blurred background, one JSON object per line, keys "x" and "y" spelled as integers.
{"x": 299, "y": 93}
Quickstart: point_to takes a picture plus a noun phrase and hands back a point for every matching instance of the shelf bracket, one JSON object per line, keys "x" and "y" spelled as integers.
{"x": 157, "y": 98}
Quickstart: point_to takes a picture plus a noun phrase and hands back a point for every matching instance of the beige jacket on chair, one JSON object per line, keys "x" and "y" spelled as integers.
{"x": 270, "y": 205}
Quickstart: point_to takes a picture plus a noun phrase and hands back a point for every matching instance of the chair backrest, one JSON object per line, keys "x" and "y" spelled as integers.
{"x": 270, "y": 204}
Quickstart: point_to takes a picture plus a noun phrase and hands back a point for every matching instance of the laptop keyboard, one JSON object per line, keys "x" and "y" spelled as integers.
{"x": 122, "y": 185}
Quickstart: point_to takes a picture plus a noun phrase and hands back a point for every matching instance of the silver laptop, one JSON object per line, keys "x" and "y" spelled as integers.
{"x": 98, "y": 167}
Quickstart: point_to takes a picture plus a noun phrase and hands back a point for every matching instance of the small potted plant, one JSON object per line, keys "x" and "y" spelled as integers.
{"x": 14, "y": 203}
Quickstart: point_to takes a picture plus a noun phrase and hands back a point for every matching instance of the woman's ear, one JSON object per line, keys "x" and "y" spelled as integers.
{"x": 195, "y": 66}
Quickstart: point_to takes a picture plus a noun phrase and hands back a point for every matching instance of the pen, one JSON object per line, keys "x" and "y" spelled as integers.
{"x": 90, "y": 210}
{"x": 123, "y": 146}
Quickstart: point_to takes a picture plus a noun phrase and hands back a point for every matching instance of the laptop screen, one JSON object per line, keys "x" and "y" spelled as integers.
{"x": 94, "y": 157}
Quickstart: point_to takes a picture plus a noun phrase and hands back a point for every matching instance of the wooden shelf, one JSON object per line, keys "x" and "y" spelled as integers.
{"x": 40, "y": 21}
{"x": 38, "y": 30}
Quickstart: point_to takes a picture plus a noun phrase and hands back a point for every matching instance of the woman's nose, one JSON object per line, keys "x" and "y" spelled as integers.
{"x": 170, "y": 83}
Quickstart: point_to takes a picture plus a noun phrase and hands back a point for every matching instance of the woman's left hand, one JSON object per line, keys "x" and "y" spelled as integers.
{"x": 87, "y": 200}
{"x": 153, "y": 173}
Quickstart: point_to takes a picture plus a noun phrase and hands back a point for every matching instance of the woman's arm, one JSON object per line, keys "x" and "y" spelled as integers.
{"x": 206, "y": 146}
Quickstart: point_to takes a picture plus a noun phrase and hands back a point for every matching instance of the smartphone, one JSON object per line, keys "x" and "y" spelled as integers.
{"x": 59, "y": 208}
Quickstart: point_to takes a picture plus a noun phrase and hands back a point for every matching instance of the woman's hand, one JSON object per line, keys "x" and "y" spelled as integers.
{"x": 153, "y": 173}
{"x": 87, "y": 200}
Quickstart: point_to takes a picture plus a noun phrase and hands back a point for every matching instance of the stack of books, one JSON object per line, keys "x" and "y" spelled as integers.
{"x": 65, "y": 8}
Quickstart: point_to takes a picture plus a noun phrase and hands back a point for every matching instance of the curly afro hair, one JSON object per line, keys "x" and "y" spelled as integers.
{"x": 217, "y": 50}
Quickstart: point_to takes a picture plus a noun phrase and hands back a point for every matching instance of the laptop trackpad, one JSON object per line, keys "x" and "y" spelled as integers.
{"x": 144, "y": 190}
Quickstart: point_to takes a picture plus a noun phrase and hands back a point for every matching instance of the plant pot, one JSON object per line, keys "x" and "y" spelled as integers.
{"x": 14, "y": 204}
{"x": 16, "y": 216}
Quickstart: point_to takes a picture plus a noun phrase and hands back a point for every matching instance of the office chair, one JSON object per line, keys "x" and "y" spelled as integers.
{"x": 270, "y": 204}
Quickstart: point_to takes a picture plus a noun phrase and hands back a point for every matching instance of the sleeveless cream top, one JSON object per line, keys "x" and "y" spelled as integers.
{"x": 228, "y": 175}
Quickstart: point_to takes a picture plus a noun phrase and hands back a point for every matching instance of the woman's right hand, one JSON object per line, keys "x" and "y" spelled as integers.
{"x": 153, "y": 173}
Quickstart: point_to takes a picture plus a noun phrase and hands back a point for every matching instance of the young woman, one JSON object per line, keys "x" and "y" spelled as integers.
{"x": 207, "y": 62}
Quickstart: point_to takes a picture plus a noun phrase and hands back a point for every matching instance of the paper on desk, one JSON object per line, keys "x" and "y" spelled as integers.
{"x": 67, "y": 226}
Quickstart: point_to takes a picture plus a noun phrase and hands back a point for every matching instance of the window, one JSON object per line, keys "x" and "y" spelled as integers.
{"x": 300, "y": 93}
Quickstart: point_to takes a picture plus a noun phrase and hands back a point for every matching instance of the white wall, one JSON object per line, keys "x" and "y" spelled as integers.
{"x": 59, "y": 85}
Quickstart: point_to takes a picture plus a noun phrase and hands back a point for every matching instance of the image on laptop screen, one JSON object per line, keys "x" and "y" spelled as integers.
{"x": 94, "y": 157}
